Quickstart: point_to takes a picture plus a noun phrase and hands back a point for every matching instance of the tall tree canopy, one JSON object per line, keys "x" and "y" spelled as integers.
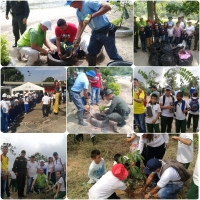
{"x": 49, "y": 79}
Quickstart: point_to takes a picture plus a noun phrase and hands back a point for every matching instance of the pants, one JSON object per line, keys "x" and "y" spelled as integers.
{"x": 98, "y": 40}
{"x": 180, "y": 126}
{"x": 150, "y": 128}
{"x": 5, "y": 116}
{"x": 61, "y": 194}
{"x": 162, "y": 38}
{"x": 21, "y": 179}
{"x": 149, "y": 41}
{"x": 13, "y": 185}
{"x": 53, "y": 177}
{"x": 156, "y": 39}
{"x": 195, "y": 122}
{"x": 189, "y": 41}
{"x": 18, "y": 26}
{"x": 196, "y": 40}
{"x": 193, "y": 192}
{"x": 11, "y": 115}
{"x": 29, "y": 184}
{"x": 170, "y": 39}
{"x": 76, "y": 98}
{"x": 113, "y": 196}
{"x": 45, "y": 110}
{"x": 170, "y": 191}
{"x": 143, "y": 43}
{"x": 96, "y": 93}
{"x": 177, "y": 39}
{"x": 186, "y": 165}
{"x": 116, "y": 117}
{"x": 136, "y": 39}
{"x": 166, "y": 122}
{"x": 33, "y": 55}
{"x": 140, "y": 122}
{"x": 5, "y": 188}
{"x": 37, "y": 189}
{"x": 26, "y": 108}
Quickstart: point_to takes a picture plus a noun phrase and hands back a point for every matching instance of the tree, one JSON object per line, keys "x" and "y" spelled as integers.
{"x": 150, "y": 9}
{"x": 49, "y": 79}
{"x": 170, "y": 77}
{"x": 39, "y": 156}
{"x": 11, "y": 74}
{"x": 10, "y": 148}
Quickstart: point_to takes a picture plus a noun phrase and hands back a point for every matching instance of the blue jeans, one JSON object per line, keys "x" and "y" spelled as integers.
{"x": 189, "y": 41}
{"x": 6, "y": 118}
{"x": 140, "y": 122}
{"x": 95, "y": 92}
{"x": 162, "y": 38}
{"x": 76, "y": 98}
{"x": 170, "y": 191}
{"x": 177, "y": 40}
{"x": 26, "y": 108}
{"x": 5, "y": 187}
{"x": 29, "y": 184}
{"x": 143, "y": 43}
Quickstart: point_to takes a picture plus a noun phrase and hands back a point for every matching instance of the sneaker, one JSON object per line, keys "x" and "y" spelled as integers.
{"x": 14, "y": 45}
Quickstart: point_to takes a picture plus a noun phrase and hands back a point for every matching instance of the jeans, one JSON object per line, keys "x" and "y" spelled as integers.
{"x": 162, "y": 38}
{"x": 29, "y": 184}
{"x": 170, "y": 191}
{"x": 76, "y": 98}
{"x": 177, "y": 39}
{"x": 45, "y": 110}
{"x": 95, "y": 92}
{"x": 140, "y": 122}
{"x": 170, "y": 39}
{"x": 5, "y": 187}
{"x": 189, "y": 41}
{"x": 143, "y": 43}
{"x": 5, "y": 115}
{"x": 26, "y": 108}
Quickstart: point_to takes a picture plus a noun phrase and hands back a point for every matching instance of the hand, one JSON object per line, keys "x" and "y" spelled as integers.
{"x": 143, "y": 191}
{"x": 170, "y": 107}
{"x": 154, "y": 121}
{"x": 166, "y": 145}
{"x": 175, "y": 138}
{"x": 16, "y": 173}
{"x": 75, "y": 43}
{"x": 24, "y": 21}
{"x": 88, "y": 101}
{"x": 55, "y": 196}
{"x": 52, "y": 50}
{"x": 185, "y": 111}
{"x": 7, "y": 17}
{"x": 60, "y": 55}
{"x": 103, "y": 112}
{"x": 45, "y": 52}
{"x": 146, "y": 196}
{"x": 87, "y": 19}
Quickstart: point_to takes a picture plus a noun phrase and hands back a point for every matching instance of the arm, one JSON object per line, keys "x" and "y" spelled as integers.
{"x": 154, "y": 121}
{"x": 91, "y": 175}
{"x": 185, "y": 141}
{"x": 58, "y": 43}
{"x": 129, "y": 140}
{"x": 15, "y": 166}
{"x": 51, "y": 188}
{"x": 36, "y": 47}
{"x": 165, "y": 107}
{"x": 112, "y": 107}
{"x": 34, "y": 180}
{"x": 152, "y": 192}
{"x": 46, "y": 43}
{"x": 104, "y": 8}
{"x": 85, "y": 93}
{"x": 138, "y": 100}
{"x": 26, "y": 9}
{"x": 148, "y": 181}
{"x": 7, "y": 9}
{"x": 58, "y": 190}
{"x": 80, "y": 26}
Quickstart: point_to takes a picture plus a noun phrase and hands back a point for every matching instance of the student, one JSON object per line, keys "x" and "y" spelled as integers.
{"x": 42, "y": 165}
{"x": 170, "y": 33}
{"x": 50, "y": 169}
{"x": 185, "y": 148}
{"x": 26, "y": 103}
{"x": 97, "y": 168}
{"x": 177, "y": 33}
{"x": 196, "y": 37}
{"x": 190, "y": 31}
{"x": 184, "y": 36}
{"x": 116, "y": 158}
{"x": 149, "y": 33}
{"x": 162, "y": 33}
{"x": 13, "y": 182}
{"x": 165, "y": 28}
{"x": 156, "y": 34}
{"x": 142, "y": 35}
{"x": 170, "y": 22}
{"x": 194, "y": 103}
{"x": 154, "y": 90}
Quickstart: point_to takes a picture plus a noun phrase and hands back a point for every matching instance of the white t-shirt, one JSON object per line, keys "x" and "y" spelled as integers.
{"x": 158, "y": 140}
{"x": 179, "y": 113}
{"x": 191, "y": 112}
{"x": 49, "y": 168}
{"x": 185, "y": 152}
{"x": 32, "y": 168}
{"x": 45, "y": 100}
{"x": 61, "y": 181}
{"x": 12, "y": 175}
{"x": 58, "y": 164}
{"x": 182, "y": 25}
{"x": 137, "y": 143}
{"x": 106, "y": 186}
{"x": 26, "y": 100}
{"x": 165, "y": 112}
{"x": 4, "y": 106}
{"x": 189, "y": 29}
{"x": 155, "y": 110}
{"x": 196, "y": 171}
{"x": 170, "y": 32}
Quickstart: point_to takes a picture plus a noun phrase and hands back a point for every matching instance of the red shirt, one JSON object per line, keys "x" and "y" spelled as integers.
{"x": 69, "y": 34}
{"x": 96, "y": 82}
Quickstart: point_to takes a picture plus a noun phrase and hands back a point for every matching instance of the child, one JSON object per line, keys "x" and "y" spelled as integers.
{"x": 142, "y": 35}
{"x": 165, "y": 28}
{"x": 13, "y": 182}
{"x": 170, "y": 32}
{"x": 149, "y": 33}
{"x": 156, "y": 34}
{"x": 184, "y": 36}
{"x": 97, "y": 168}
{"x": 162, "y": 33}
{"x": 153, "y": 122}
{"x": 181, "y": 108}
{"x": 177, "y": 33}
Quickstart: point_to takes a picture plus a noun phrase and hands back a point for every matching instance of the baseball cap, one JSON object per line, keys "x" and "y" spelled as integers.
{"x": 4, "y": 95}
{"x": 119, "y": 171}
{"x": 50, "y": 157}
{"x": 152, "y": 165}
{"x": 42, "y": 161}
{"x": 91, "y": 73}
{"x": 68, "y": 3}
{"x": 189, "y": 21}
{"x": 47, "y": 23}
{"x": 170, "y": 17}
{"x": 55, "y": 153}
{"x": 168, "y": 88}
{"x": 108, "y": 91}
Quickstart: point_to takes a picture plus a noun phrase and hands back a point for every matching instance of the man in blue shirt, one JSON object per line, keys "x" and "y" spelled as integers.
{"x": 81, "y": 84}
{"x": 103, "y": 32}
{"x": 170, "y": 22}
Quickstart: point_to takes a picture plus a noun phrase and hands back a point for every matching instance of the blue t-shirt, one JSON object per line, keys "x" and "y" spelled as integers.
{"x": 81, "y": 82}
{"x": 170, "y": 23}
{"x": 90, "y": 7}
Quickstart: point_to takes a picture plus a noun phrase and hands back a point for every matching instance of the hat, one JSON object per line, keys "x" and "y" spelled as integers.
{"x": 42, "y": 161}
{"x": 168, "y": 88}
{"x": 4, "y": 95}
{"x": 23, "y": 151}
{"x": 170, "y": 17}
{"x": 153, "y": 86}
{"x": 68, "y": 3}
{"x": 152, "y": 165}
{"x": 16, "y": 95}
{"x": 20, "y": 94}
{"x": 119, "y": 171}
{"x": 141, "y": 26}
{"x": 32, "y": 156}
{"x": 13, "y": 95}
{"x": 47, "y": 23}
{"x": 55, "y": 153}
{"x": 108, "y": 91}
{"x": 91, "y": 73}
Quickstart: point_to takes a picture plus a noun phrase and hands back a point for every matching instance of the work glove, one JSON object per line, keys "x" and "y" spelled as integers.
{"x": 87, "y": 19}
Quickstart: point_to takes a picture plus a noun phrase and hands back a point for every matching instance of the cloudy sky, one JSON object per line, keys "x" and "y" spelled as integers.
{"x": 162, "y": 71}
{"x": 44, "y": 143}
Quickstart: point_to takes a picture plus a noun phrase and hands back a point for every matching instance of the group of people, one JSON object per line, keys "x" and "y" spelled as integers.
{"x": 167, "y": 107}
{"x": 172, "y": 33}
{"x": 38, "y": 176}
{"x": 165, "y": 177}
{"x": 91, "y": 13}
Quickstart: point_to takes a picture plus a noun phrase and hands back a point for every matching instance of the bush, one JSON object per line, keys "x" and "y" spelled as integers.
{"x": 5, "y": 56}
{"x": 115, "y": 87}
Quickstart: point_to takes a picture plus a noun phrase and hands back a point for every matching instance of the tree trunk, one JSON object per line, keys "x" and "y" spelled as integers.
{"x": 150, "y": 9}
{"x": 154, "y": 8}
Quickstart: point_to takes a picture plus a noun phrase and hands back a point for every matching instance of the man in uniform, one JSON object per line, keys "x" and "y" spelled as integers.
{"x": 19, "y": 167}
{"x": 118, "y": 111}
{"x": 196, "y": 37}
{"x": 103, "y": 32}
{"x": 135, "y": 35}
{"x": 20, "y": 13}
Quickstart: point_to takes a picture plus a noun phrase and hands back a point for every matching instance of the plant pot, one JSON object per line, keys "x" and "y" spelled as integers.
{"x": 123, "y": 31}
{"x": 119, "y": 63}
{"x": 99, "y": 120}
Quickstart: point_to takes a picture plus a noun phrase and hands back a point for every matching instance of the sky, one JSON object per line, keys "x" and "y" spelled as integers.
{"x": 43, "y": 143}
{"x": 162, "y": 70}
{"x": 38, "y": 74}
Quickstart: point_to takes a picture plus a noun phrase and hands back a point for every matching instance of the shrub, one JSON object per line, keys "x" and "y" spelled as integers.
{"x": 5, "y": 56}
{"x": 115, "y": 87}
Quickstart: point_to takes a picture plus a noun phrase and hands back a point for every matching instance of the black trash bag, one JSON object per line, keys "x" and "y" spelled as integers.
{"x": 166, "y": 49}
{"x": 176, "y": 50}
{"x": 154, "y": 59}
{"x": 154, "y": 47}
{"x": 185, "y": 62}
{"x": 167, "y": 60}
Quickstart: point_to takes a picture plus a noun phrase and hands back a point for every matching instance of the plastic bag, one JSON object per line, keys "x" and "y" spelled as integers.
{"x": 154, "y": 59}
{"x": 85, "y": 40}
{"x": 183, "y": 61}
{"x": 165, "y": 49}
{"x": 167, "y": 60}
{"x": 154, "y": 47}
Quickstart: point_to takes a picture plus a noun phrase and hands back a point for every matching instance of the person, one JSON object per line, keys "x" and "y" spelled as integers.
{"x": 70, "y": 83}
{"x": 185, "y": 148}
{"x": 50, "y": 170}
{"x": 31, "y": 172}
{"x": 139, "y": 108}
{"x": 162, "y": 33}
{"x": 182, "y": 90}
{"x": 5, "y": 109}
{"x": 141, "y": 22}
{"x": 156, "y": 34}
{"x": 118, "y": 110}
{"x": 40, "y": 182}
{"x": 177, "y": 33}
{"x": 182, "y": 25}
{"x": 13, "y": 181}
{"x": 153, "y": 121}
{"x": 167, "y": 110}
{"x": 26, "y": 103}
{"x": 92, "y": 13}
{"x": 151, "y": 21}
{"x": 155, "y": 91}
{"x": 60, "y": 187}
{"x": 20, "y": 12}
{"x": 157, "y": 21}
{"x": 136, "y": 28}
{"x": 196, "y": 37}
{"x": 32, "y": 40}
{"x": 111, "y": 181}
{"x": 194, "y": 103}
{"x": 142, "y": 35}
{"x": 81, "y": 84}
{"x": 4, "y": 173}
{"x": 183, "y": 20}
{"x": 34, "y": 98}
{"x": 184, "y": 36}
{"x": 19, "y": 167}
{"x": 192, "y": 89}
{"x": 190, "y": 31}
{"x": 170, "y": 182}
{"x": 97, "y": 167}
{"x": 170, "y": 22}
{"x": 44, "y": 103}
{"x": 96, "y": 84}
{"x": 149, "y": 33}
{"x": 43, "y": 166}
{"x": 181, "y": 109}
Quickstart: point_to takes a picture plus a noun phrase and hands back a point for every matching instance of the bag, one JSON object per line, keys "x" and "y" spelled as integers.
{"x": 154, "y": 47}
{"x": 149, "y": 111}
{"x": 167, "y": 60}
{"x": 185, "y": 58}
{"x": 182, "y": 171}
{"x": 154, "y": 59}
{"x": 165, "y": 48}
{"x": 194, "y": 105}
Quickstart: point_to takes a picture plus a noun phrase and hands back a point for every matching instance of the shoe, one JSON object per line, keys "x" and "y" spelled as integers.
{"x": 121, "y": 124}
{"x": 24, "y": 196}
{"x": 138, "y": 48}
{"x": 19, "y": 56}
{"x": 14, "y": 45}
{"x": 194, "y": 49}
{"x": 80, "y": 118}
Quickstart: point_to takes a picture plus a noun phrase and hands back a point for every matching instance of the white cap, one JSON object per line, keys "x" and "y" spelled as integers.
{"x": 4, "y": 95}
{"x": 16, "y": 95}
{"x": 13, "y": 95}
{"x": 42, "y": 161}
{"x": 50, "y": 157}
{"x": 47, "y": 23}
{"x": 26, "y": 95}
{"x": 24, "y": 92}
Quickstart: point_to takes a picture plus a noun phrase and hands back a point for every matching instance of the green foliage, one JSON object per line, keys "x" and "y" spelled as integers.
{"x": 5, "y": 56}
{"x": 101, "y": 108}
{"x": 39, "y": 156}
{"x": 49, "y": 79}
{"x": 10, "y": 148}
{"x": 115, "y": 87}
{"x": 64, "y": 48}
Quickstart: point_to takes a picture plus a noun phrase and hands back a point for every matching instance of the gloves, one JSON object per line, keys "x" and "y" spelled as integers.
{"x": 87, "y": 19}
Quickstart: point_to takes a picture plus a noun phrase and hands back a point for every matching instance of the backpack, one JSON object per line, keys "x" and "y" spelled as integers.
{"x": 194, "y": 105}
{"x": 182, "y": 105}
{"x": 164, "y": 97}
{"x": 182, "y": 171}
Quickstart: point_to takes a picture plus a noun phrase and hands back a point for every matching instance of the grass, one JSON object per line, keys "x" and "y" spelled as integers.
{"x": 78, "y": 156}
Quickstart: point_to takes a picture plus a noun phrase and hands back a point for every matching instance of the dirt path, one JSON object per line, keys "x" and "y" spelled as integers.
{"x": 34, "y": 123}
